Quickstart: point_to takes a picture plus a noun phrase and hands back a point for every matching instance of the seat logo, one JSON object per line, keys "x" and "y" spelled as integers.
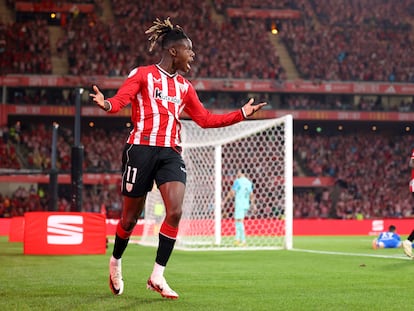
{"x": 377, "y": 225}
{"x": 65, "y": 230}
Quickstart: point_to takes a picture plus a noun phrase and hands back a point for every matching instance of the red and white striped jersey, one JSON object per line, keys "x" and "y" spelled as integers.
{"x": 157, "y": 99}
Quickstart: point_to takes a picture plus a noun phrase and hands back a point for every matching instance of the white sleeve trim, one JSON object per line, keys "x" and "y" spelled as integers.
{"x": 244, "y": 113}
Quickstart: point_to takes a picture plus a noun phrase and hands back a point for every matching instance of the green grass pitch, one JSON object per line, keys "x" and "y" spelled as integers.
{"x": 321, "y": 273}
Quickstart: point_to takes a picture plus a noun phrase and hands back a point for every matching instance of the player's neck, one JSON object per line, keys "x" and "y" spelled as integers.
{"x": 167, "y": 66}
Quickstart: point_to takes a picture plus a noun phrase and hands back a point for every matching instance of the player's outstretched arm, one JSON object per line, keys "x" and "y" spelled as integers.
{"x": 249, "y": 109}
{"x": 99, "y": 99}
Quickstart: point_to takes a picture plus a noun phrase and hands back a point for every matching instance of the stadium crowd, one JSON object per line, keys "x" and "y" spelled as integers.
{"x": 372, "y": 173}
{"x": 353, "y": 40}
{"x": 372, "y": 169}
{"x": 345, "y": 41}
{"x": 324, "y": 44}
{"x": 101, "y": 198}
{"x": 110, "y": 50}
{"x": 25, "y": 48}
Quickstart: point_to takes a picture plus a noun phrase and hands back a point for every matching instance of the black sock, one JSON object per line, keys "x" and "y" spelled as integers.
{"x": 411, "y": 236}
{"x": 165, "y": 248}
{"x": 119, "y": 247}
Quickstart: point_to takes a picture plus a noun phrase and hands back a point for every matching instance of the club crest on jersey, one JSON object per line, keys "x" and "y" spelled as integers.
{"x": 129, "y": 187}
{"x": 159, "y": 95}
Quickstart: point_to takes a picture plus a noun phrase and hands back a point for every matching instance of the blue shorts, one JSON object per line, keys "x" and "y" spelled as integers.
{"x": 240, "y": 213}
{"x": 392, "y": 243}
{"x": 142, "y": 165}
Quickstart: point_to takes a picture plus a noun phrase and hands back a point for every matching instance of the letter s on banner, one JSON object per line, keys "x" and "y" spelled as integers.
{"x": 65, "y": 229}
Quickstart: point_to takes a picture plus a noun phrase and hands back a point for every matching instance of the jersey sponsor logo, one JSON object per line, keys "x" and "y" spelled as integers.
{"x": 159, "y": 95}
{"x": 65, "y": 230}
{"x": 377, "y": 225}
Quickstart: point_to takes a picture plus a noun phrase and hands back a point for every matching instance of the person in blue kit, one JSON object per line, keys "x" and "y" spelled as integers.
{"x": 242, "y": 191}
{"x": 387, "y": 239}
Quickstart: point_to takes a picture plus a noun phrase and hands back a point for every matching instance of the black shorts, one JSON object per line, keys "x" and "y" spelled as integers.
{"x": 142, "y": 165}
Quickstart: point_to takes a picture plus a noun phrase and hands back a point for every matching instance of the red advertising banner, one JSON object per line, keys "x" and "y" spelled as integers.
{"x": 301, "y": 227}
{"x": 16, "y": 233}
{"x": 262, "y": 13}
{"x": 313, "y": 181}
{"x": 318, "y": 115}
{"x": 239, "y": 85}
{"x": 5, "y": 226}
{"x": 111, "y": 225}
{"x": 49, "y": 6}
{"x": 89, "y": 179}
{"x": 114, "y": 179}
{"x": 48, "y": 233}
{"x": 350, "y": 227}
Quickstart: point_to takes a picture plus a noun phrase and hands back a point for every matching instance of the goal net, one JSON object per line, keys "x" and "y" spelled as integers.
{"x": 262, "y": 149}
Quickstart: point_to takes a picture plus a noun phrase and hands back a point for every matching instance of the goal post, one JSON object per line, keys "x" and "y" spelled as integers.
{"x": 263, "y": 150}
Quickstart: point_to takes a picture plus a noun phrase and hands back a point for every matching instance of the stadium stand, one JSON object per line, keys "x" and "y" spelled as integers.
{"x": 370, "y": 164}
{"x": 25, "y": 48}
{"x": 371, "y": 167}
{"x": 320, "y": 43}
{"x": 371, "y": 42}
{"x": 121, "y": 46}
{"x": 358, "y": 45}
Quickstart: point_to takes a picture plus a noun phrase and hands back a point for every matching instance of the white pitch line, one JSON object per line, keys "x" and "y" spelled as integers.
{"x": 350, "y": 254}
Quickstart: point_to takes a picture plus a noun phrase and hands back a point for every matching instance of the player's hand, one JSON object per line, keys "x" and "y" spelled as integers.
{"x": 98, "y": 97}
{"x": 250, "y": 109}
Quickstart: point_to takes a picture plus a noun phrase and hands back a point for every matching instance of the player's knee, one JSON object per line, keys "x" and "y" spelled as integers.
{"x": 128, "y": 224}
{"x": 174, "y": 215}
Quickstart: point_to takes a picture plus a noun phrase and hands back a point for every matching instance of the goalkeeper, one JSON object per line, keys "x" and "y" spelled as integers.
{"x": 158, "y": 94}
{"x": 242, "y": 191}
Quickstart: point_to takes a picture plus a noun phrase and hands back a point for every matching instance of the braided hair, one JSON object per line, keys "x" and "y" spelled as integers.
{"x": 164, "y": 31}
